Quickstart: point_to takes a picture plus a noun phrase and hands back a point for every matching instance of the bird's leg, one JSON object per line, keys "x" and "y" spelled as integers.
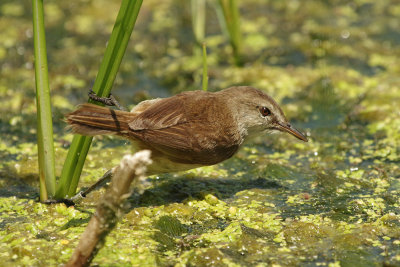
{"x": 82, "y": 194}
{"x": 100, "y": 183}
{"x": 108, "y": 101}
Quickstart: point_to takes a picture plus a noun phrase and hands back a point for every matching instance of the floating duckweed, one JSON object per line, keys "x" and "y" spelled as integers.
{"x": 211, "y": 199}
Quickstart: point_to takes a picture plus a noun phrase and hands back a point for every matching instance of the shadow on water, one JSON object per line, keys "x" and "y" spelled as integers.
{"x": 13, "y": 185}
{"x": 178, "y": 189}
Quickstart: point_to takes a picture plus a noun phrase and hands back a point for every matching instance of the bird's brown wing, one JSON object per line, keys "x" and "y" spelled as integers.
{"x": 180, "y": 127}
{"x": 161, "y": 114}
{"x": 165, "y": 123}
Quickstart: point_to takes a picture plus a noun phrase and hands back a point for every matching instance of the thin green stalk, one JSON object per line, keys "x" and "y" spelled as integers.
{"x": 198, "y": 20}
{"x": 205, "y": 72}
{"x": 44, "y": 115}
{"x": 114, "y": 53}
{"x": 73, "y": 166}
{"x": 229, "y": 18}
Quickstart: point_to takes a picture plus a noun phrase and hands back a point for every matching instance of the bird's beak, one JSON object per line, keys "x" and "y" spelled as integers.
{"x": 293, "y": 131}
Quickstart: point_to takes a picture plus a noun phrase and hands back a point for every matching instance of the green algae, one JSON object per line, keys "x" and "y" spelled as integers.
{"x": 333, "y": 201}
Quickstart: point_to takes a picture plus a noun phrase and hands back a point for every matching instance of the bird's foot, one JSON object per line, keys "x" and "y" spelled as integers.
{"x": 67, "y": 201}
{"x": 82, "y": 194}
{"x": 108, "y": 101}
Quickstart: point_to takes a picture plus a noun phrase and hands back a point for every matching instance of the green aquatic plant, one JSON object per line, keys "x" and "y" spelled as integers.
{"x": 228, "y": 14}
{"x": 113, "y": 55}
{"x": 45, "y": 143}
{"x": 80, "y": 145}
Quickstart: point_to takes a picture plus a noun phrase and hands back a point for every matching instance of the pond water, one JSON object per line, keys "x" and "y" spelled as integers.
{"x": 334, "y": 201}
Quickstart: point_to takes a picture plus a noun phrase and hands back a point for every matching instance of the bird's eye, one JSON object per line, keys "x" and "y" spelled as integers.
{"x": 265, "y": 111}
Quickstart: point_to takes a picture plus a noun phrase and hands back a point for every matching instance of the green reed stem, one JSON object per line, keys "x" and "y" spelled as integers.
{"x": 44, "y": 116}
{"x": 229, "y": 17}
{"x": 114, "y": 53}
{"x": 198, "y": 20}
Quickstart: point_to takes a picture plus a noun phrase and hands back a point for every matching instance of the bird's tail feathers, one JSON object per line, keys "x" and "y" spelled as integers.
{"x": 91, "y": 119}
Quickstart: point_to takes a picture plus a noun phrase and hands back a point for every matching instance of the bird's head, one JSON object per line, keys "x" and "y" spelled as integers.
{"x": 257, "y": 112}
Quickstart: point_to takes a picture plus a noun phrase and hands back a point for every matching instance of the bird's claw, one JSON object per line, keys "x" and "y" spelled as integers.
{"x": 108, "y": 101}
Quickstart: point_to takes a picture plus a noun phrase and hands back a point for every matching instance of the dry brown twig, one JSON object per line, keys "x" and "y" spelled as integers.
{"x": 132, "y": 169}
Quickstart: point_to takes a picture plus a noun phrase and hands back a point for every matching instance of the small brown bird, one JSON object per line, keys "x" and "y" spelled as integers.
{"x": 188, "y": 130}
